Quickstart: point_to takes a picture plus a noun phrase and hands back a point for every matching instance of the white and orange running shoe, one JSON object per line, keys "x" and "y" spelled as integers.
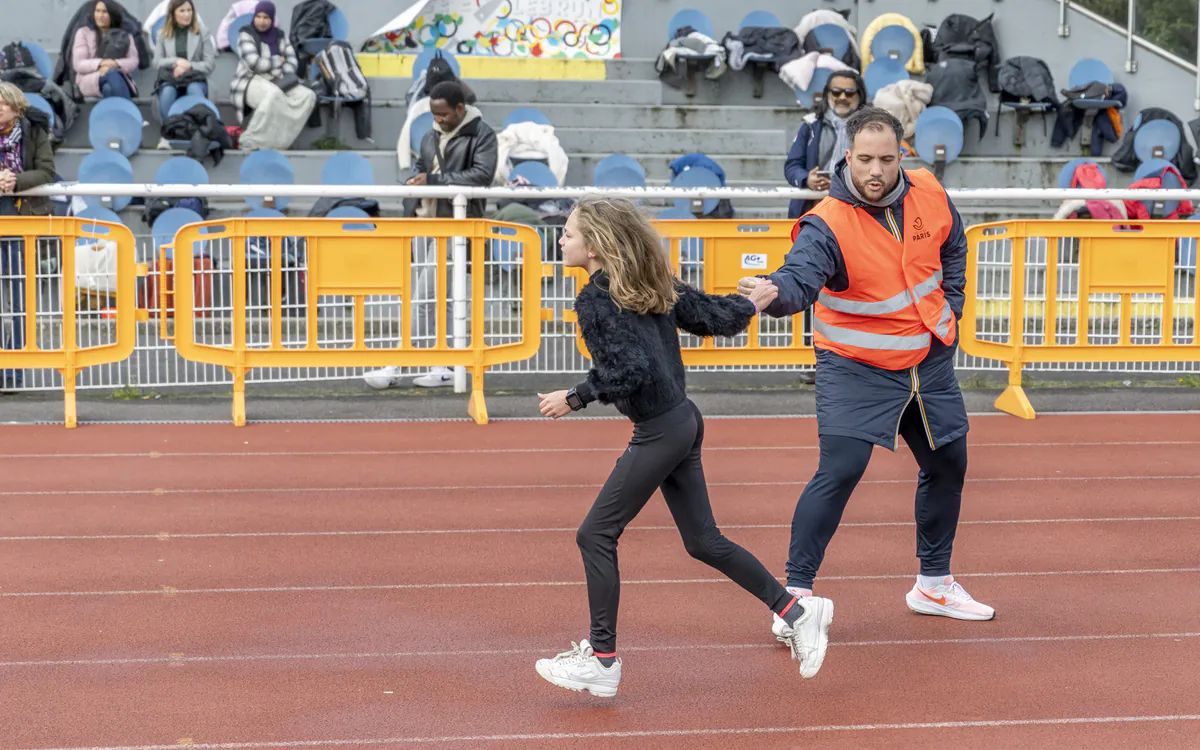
{"x": 947, "y": 599}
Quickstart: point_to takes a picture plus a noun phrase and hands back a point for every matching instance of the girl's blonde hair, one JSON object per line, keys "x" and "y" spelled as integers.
{"x": 169, "y": 25}
{"x": 11, "y": 95}
{"x": 630, "y": 252}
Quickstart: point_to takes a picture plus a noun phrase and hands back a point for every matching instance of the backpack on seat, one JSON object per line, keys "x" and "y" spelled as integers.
{"x": 1088, "y": 176}
{"x": 964, "y": 37}
{"x": 339, "y": 72}
{"x": 15, "y": 56}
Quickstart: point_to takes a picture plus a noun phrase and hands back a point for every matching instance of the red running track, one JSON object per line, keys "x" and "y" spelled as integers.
{"x": 389, "y": 585}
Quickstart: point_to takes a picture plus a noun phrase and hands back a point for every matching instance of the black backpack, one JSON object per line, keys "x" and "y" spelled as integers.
{"x": 961, "y": 36}
{"x": 156, "y": 206}
{"x": 15, "y": 56}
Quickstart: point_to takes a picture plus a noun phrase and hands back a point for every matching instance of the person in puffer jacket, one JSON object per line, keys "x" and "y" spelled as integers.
{"x": 882, "y": 261}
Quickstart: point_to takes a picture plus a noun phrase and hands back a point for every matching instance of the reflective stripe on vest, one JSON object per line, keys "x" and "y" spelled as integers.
{"x": 943, "y": 325}
{"x": 888, "y": 306}
{"x": 876, "y": 341}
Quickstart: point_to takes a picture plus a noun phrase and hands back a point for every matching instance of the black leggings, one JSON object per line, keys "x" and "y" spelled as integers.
{"x": 843, "y": 461}
{"x": 663, "y": 453}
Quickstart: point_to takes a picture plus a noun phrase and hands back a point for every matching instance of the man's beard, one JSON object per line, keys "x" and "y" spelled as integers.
{"x": 868, "y": 192}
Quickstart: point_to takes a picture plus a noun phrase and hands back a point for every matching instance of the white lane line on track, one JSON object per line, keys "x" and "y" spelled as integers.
{"x": 698, "y": 732}
{"x": 506, "y": 451}
{"x": 636, "y": 649}
{"x": 589, "y": 486}
{"x": 168, "y": 535}
{"x": 173, "y": 591}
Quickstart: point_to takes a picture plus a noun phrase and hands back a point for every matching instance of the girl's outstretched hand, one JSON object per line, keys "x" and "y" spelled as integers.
{"x": 555, "y": 404}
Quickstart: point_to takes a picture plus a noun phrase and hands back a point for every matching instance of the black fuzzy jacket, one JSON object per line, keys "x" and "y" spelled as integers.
{"x": 636, "y": 363}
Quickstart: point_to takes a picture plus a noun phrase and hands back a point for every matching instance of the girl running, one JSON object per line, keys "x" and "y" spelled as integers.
{"x": 628, "y": 315}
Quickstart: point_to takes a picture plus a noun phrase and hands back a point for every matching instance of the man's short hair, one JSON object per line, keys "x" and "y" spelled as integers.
{"x": 449, "y": 92}
{"x": 873, "y": 118}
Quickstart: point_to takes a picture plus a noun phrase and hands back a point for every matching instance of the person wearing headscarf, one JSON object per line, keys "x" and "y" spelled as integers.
{"x": 104, "y": 56}
{"x": 268, "y": 83}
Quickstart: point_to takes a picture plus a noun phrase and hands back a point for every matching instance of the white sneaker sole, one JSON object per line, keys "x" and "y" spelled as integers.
{"x": 938, "y": 610}
{"x": 600, "y": 691}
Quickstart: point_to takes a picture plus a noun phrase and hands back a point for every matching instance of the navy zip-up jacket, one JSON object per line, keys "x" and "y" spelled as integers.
{"x": 855, "y": 399}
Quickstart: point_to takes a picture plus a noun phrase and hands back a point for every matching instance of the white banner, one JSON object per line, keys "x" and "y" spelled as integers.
{"x": 576, "y": 29}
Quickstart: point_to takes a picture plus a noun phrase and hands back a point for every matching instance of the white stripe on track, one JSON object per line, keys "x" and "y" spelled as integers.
{"x": 505, "y": 451}
{"x": 637, "y": 649}
{"x": 701, "y": 732}
{"x": 590, "y": 485}
{"x": 172, "y": 591}
{"x": 167, "y": 535}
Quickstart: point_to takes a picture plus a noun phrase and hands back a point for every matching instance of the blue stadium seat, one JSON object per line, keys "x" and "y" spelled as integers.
{"x": 106, "y": 167}
{"x": 619, "y": 160}
{"x": 41, "y": 60}
{"x": 339, "y": 25}
{"x": 39, "y": 103}
{"x": 938, "y": 137}
{"x": 98, "y": 213}
{"x": 267, "y": 168}
{"x": 347, "y": 168}
{"x": 693, "y": 18}
{"x": 895, "y": 42}
{"x": 1160, "y": 208}
{"x": 1087, "y": 70}
{"x": 235, "y": 29}
{"x": 348, "y": 212}
{"x": 833, "y": 39}
{"x": 156, "y": 29}
{"x": 884, "y": 71}
{"x": 416, "y": 133}
{"x": 422, "y": 62}
{"x": 617, "y": 177}
{"x": 181, "y": 170}
{"x": 184, "y": 103}
{"x": 168, "y": 224}
{"x": 1157, "y": 139}
{"x": 115, "y": 123}
{"x": 526, "y": 114}
{"x": 1149, "y": 168}
{"x": 761, "y": 19}
{"x": 1068, "y": 171}
{"x": 807, "y": 98}
{"x": 696, "y": 177}
{"x": 538, "y": 174}
{"x": 676, "y": 213}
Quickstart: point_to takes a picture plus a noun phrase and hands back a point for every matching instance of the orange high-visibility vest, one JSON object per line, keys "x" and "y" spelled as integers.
{"x": 894, "y": 303}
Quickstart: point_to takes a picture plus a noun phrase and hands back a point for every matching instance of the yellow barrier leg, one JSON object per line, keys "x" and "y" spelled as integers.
{"x": 69, "y": 414}
{"x": 239, "y": 397}
{"x": 1014, "y": 401}
{"x": 477, "y": 407}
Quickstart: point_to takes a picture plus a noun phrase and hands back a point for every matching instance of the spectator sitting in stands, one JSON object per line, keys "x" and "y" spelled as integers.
{"x": 104, "y": 55}
{"x": 821, "y": 142}
{"x": 461, "y": 149}
{"x": 185, "y": 55}
{"x": 267, "y": 82}
{"x": 26, "y": 161}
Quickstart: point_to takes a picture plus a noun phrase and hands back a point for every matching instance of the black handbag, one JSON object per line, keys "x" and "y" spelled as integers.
{"x": 288, "y": 82}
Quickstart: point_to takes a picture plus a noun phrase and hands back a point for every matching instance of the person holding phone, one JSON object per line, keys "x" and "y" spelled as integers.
{"x": 821, "y": 140}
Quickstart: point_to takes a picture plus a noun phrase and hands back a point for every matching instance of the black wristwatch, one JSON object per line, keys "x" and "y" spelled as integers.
{"x": 574, "y": 401}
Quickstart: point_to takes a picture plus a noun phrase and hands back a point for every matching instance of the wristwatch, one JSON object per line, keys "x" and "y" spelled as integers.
{"x": 574, "y": 401}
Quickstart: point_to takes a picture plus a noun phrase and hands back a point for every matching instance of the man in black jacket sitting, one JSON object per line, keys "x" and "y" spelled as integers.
{"x": 461, "y": 149}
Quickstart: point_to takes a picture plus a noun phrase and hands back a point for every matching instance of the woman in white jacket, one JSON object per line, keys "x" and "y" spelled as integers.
{"x": 185, "y": 55}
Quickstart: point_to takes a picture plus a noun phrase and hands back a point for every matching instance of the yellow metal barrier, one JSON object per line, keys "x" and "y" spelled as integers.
{"x": 355, "y": 259}
{"x": 1039, "y": 279}
{"x": 45, "y": 284}
{"x": 721, "y": 251}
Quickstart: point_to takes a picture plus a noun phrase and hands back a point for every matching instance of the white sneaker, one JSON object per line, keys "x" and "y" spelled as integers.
{"x": 810, "y": 636}
{"x": 947, "y": 599}
{"x": 382, "y": 379}
{"x": 579, "y": 669}
{"x": 438, "y": 376}
{"x": 779, "y": 627}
